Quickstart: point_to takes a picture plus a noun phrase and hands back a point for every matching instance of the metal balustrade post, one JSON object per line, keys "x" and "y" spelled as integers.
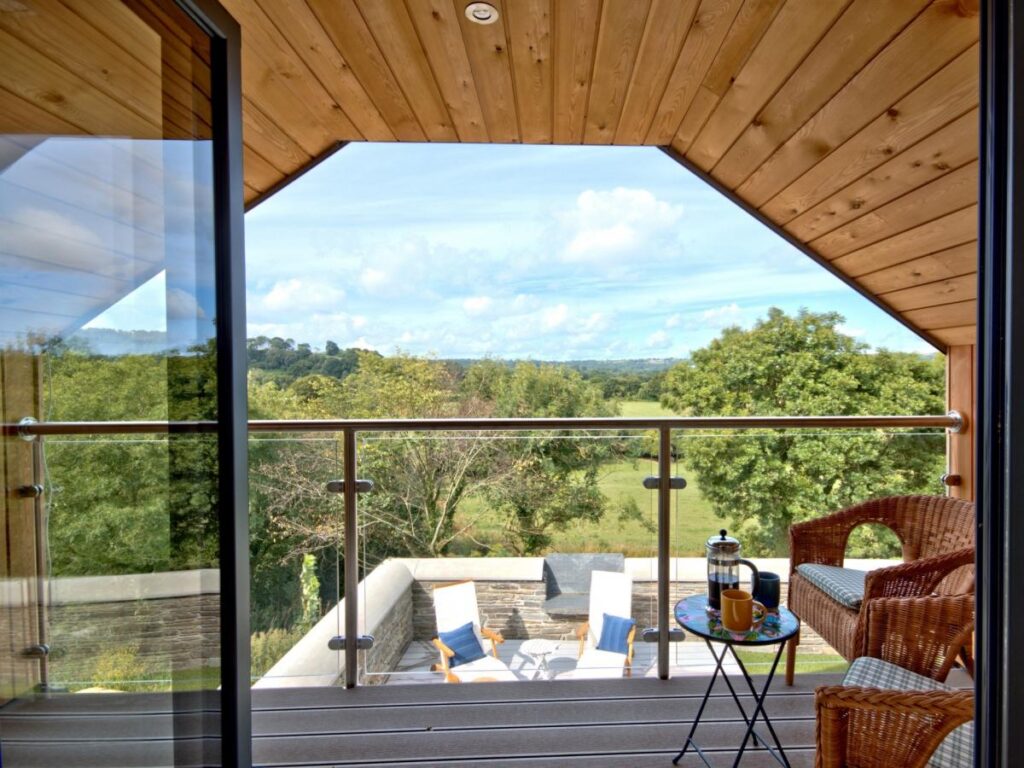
{"x": 664, "y": 524}
{"x": 351, "y": 559}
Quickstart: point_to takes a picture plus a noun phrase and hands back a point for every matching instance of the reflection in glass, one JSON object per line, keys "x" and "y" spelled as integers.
{"x": 107, "y": 308}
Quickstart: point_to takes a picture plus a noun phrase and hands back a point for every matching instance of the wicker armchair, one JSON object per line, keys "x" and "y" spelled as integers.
{"x": 937, "y": 534}
{"x": 880, "y": 727}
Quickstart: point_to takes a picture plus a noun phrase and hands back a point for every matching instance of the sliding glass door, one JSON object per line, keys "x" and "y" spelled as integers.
{"x": 116, "y": 235}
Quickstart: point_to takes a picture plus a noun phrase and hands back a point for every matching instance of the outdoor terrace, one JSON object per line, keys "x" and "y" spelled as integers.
{"x": 329, "y": 702}
{"x": 398, "y": 613}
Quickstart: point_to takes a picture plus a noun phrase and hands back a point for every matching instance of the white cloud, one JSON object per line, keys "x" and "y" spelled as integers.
{"x": 302, "y": 295}
{"x": 374, "y": 280}
{"x": 658, "y": 340}
{"x": 850, "y": 330}
{"x": 362, "y": 343}
{"x": 477, "y": 305}
{"x": 721, "y": 317}
{"x": 555, "y": 317}
{"x": 182, "y": 305}
{"x": 606, "y": 223}
{"x": 673, "y": 320}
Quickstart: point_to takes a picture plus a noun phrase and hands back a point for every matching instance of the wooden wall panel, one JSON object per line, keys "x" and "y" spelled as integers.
{"x": 955, "y": 229}
{"x": 961, "y": 396}
{"x": 487, "y": 48}
{"x": 711, "y": 23}
{"x": 924, "y": 47}
{"x": 750, "y": 24}
{"x": 294, "y": 20}
{"x": 437, "y": 25}
{"x": 947, "y": 95}
{"x": 529, "y": 28}
{"x": 949, "y": 148}
{"x": 618, "y": 44}
{"x": 955, "y": 289}
{"x": 20, "y": 394}
{"x": 863, "y": 29}
{"x": 345, "y": 26}
{"x": 575, "y": 39}
{"x": 851, "y": 123}
{"x": 396, "y": 37}
{"x": 794, "y": 32}
{"x": 668, "y": 26}
{"x": 930, "y": 201}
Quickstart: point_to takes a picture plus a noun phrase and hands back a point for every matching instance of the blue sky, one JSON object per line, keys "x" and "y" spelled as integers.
{"x": 549, "y": 253}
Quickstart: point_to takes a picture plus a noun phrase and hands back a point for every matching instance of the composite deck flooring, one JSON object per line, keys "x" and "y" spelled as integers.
{"x": 595, "y": 723}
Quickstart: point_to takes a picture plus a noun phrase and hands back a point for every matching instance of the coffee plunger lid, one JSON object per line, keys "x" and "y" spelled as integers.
{"x": 723, "y": 543}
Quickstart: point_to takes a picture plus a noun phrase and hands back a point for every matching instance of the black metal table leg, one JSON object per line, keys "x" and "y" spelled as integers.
{"x": 759, "y": 710}
{"x": 694, "y": 614}
{"x": 735, "y": 696}
{"x": 700, "y": 711}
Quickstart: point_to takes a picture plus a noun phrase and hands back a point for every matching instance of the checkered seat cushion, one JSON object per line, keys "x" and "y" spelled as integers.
{"x": 845, "y": 585}
{"x": 957, "y": 749}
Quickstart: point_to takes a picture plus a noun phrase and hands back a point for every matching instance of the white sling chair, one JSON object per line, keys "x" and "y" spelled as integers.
{"x": 455, "y": 606}
{"x": 610, "y": 593}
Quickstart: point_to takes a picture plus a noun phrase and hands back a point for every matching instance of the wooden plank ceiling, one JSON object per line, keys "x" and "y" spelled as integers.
{"x": 850, "y": 124}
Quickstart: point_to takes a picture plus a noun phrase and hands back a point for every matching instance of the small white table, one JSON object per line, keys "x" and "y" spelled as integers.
{"x": 539, "y": 649}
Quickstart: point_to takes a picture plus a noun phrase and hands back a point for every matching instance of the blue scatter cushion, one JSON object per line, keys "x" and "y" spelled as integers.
{"x": 465, "y": 644}
{"x": 614, "y": 633}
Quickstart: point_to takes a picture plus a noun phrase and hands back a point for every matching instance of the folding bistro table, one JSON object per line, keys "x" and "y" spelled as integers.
{"x": 694, "y": 615}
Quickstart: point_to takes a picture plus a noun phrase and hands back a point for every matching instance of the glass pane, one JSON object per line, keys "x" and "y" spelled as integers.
{"x": 756, "y": 483}
{"x": 536, "y": 539}
{"x": 296, "y": 534}
{"x": 108, "y": 308}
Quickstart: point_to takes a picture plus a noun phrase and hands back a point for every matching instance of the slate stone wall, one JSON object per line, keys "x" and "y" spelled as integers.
{"x": 390, "y": 640}
{"x": 516, "y": 609}
{"x": 149, "y": 635}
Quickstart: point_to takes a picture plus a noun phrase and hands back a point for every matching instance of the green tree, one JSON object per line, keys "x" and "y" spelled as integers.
{"x": 547, "y": 479}
{"x": 804, "y": 365}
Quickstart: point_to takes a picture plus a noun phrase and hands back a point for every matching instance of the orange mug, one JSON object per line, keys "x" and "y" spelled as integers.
{"x": 738, "y": 610}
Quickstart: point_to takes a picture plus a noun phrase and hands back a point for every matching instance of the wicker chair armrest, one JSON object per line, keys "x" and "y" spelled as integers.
{"x": 858, "y": 725}
{"x": 822, "y": 540}
{"x": 925, "y": 635}
{"x": 916, "y": 578}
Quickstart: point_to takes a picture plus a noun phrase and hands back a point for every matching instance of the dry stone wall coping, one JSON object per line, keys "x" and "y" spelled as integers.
{"x": 510, "y": 593}
{"x": 310, "y": 662}
{"x": 129, "y": 587}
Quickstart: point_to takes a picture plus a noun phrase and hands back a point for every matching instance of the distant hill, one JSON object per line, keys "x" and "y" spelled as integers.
{"x": 639, "y": 365}
{"x": 107, "y": 341}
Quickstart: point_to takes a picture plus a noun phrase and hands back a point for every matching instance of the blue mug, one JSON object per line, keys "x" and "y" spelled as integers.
{"x": 769, "y": 589}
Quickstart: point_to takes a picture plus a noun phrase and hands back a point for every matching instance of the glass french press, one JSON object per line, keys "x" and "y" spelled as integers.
{"x": 724, "y": 568}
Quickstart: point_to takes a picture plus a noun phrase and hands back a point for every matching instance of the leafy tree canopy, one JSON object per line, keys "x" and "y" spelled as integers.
{"x": 804, "y": 365}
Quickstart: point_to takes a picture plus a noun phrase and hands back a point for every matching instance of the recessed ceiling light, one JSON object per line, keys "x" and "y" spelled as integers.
{"x": 481, "y": 13}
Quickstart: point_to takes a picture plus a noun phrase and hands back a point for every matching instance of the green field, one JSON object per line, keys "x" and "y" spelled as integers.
{"x": 638, "y": 408}
{"x": 692, "y": 519}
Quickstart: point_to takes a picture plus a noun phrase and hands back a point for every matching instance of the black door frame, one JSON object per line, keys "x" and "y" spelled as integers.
{"x": 999, "y": 709}
{"x": 235, "y": 700}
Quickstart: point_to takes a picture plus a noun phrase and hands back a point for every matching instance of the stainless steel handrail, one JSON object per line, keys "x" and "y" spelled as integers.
{"x": 349, "y": 428}
{"x": 952, "y": 420}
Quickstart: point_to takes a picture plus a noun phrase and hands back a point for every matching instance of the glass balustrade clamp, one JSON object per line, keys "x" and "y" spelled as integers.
{"x": 338, "y": 486}
{"x": 363, "y": 643}
{"x": 652, "y": 483}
